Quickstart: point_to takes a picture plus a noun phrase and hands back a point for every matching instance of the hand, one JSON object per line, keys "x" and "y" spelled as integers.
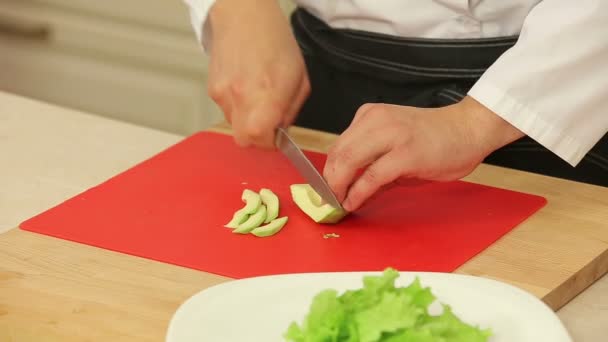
{"x": 397, "y": 144}
{"x": 257, "y": 74}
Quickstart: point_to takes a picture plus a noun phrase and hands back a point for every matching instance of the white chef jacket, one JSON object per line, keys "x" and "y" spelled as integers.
{"x": 552, "y": 85}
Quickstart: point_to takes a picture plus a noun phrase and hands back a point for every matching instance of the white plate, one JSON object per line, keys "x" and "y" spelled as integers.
{"x": 261, "y": 308}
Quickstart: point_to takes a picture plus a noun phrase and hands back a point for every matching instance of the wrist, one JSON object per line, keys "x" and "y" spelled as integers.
{"x": 226, "y": 13}
{"x": 488, "y": 129}
{"x": 221, "y": 12}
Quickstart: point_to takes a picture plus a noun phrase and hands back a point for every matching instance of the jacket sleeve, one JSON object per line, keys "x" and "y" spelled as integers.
{"x": 553, "y": 83}
{"x": 199, "y": 10}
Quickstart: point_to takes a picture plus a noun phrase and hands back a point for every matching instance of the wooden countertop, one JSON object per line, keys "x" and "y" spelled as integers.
{"x": 55, "y": 290}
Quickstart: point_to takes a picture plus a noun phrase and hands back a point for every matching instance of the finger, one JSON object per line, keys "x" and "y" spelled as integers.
{"x": 383, "y": 171}
{"x": 353, "y": 128}
{"x": 354, "y": 131}
{"x": 357, "y": 147}
{"x": 261, "y": 123}
{"x": 226, "y": 107}
{"x": 262, "y": 133}
{"x": 239, "y": 129}
{"x": 361, "y": 112}
{"x": 348, "y": 157}
{"x": 222, "y": 99}
{"x": 346, "y": 138}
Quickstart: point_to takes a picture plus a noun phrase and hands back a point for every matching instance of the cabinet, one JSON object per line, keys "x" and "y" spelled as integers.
{"x": 134, "y": 60}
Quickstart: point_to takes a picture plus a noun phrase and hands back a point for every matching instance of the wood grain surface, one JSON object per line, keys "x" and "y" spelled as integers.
{"x": 55, "y": 290}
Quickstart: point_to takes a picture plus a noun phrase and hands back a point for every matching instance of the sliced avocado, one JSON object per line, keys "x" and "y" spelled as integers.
{"x": 271, "y": 228}
{"x": 252, "y": 204}
{"x": 239, "y": 217}
{"x": 254, "y": 221}
{"x": 253, "y": 201}
{"x": 309, "y": 201}
{"x": 272, "y": 204}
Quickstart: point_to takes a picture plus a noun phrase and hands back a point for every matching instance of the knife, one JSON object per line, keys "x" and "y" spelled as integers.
{"x": 297, "y": 158}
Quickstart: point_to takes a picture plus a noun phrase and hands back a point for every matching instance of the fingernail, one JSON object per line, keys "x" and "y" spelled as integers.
{"x": 347, "y": 205}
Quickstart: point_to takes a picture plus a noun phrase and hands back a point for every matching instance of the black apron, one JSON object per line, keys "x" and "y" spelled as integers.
{"x": 348, "y": 68}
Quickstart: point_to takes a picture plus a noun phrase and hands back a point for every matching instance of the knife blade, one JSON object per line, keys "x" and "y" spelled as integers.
{"x": 299, "y": 160}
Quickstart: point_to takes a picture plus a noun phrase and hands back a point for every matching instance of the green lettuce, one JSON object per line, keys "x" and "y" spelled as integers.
{"x": 381, "y": 312}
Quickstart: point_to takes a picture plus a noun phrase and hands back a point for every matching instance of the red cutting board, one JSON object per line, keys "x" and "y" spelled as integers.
{"x": 172, "y": 208}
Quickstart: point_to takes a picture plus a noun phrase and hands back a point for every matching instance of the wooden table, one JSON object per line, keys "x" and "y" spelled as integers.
{"x": 55, "y": 290}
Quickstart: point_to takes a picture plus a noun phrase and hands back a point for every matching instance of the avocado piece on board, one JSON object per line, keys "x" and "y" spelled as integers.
{"x": 254, "y": 221}
{"x": 253, "y": 201}
{"x": 271, "y": 228}
{"x": 309, "y": 201}
{"x": 272, "y": 204}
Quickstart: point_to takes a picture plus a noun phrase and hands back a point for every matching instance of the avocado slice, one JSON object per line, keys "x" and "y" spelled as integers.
{"x": 309, "y": 201}
{"x": 272, "y": 204}
{"x": 253, "y": 201}
{"x": 271, "y": 228}
{"x": 252, "y": 222}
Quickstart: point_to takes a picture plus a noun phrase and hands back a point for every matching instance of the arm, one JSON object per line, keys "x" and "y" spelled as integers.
{"x": 552, "y": 85}
{"x": 257, "y": 74}
{"x": 415, "y": 144}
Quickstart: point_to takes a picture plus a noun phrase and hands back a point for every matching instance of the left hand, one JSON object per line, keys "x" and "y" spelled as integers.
{"x": 399, "y": 143}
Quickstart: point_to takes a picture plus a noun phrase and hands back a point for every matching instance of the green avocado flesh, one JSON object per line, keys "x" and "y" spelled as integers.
{"x": 307, "y": 199}
{"x": 271, "y": 228}
{"x": 271, "y": 201}
{"x": 259, "y": 216}
{"x": 252, "y": 222}
{"x": 253, "y": 201}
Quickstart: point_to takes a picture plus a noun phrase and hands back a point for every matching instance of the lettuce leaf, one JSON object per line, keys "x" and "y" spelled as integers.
{"x": 381, "y": 312}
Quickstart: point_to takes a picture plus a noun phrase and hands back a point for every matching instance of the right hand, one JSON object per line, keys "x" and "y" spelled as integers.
{"x": 257, "y": 74}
